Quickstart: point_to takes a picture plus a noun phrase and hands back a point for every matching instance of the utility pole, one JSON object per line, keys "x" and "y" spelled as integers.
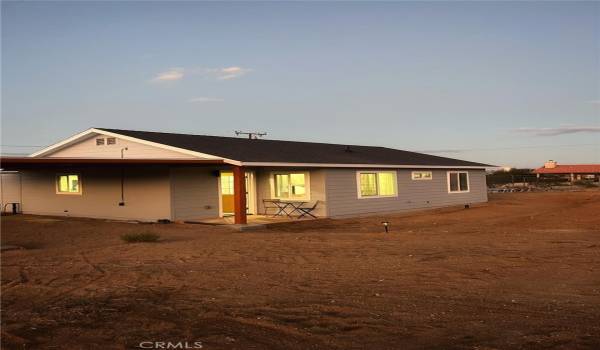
{"x": 251, "y": 135}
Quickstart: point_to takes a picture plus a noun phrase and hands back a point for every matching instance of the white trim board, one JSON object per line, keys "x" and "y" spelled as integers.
{"x": 62, "y": 144}
{"x": 333, "y": 165}
{"x": 88, "y": 133}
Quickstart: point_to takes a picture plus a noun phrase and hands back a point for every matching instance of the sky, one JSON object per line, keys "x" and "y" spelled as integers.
{"x": 504, "y": 83}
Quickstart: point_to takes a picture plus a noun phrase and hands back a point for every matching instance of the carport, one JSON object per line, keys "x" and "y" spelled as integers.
{"x": 121, "y": 165}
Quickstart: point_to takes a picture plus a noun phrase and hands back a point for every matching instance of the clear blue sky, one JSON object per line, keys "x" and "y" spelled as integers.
{"x": 499, "y": 82}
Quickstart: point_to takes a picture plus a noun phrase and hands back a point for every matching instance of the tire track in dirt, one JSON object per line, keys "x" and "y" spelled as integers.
{"x": 94, "y": 266}
{"x": 442, "y": 280}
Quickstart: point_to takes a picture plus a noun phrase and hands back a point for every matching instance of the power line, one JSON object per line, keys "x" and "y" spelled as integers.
{"x": 506, "y": 148}
{"x": 425, "y": 151}
{"x": 21, "y": 146}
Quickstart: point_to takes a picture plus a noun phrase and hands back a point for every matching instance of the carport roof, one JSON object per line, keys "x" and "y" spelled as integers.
{"x": 9, "y": 163}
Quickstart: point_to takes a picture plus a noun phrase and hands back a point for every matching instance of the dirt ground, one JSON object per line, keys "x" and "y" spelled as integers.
{"x": 522, "y": 272}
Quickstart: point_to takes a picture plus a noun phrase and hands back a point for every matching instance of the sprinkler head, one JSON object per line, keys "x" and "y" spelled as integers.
{"x": 386, "y": 225}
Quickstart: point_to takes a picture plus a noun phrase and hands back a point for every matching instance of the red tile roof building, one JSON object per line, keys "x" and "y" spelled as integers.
{"x": 570, "y": 169}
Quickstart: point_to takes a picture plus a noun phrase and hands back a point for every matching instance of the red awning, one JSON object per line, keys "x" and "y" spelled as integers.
{"x": 570, "y": 169}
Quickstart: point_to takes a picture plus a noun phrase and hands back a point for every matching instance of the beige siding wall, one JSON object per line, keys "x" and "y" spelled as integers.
{"x": 10, "y": 189}
{"x": 88, "y": 149}
{"x": 317, "y": 189}
{"x": 194, "y": 194}
{"x": 147, "y": 194}
{"x": 343, "y": 200}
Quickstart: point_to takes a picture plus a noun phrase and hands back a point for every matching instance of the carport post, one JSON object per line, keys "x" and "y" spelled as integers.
{"x": 239, "y": 195}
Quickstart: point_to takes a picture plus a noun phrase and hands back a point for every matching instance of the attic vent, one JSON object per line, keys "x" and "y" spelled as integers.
{"x": 111, "y": 141}
{"x": 99, "y": 142}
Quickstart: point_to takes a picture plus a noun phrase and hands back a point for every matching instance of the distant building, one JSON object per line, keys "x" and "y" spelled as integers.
{"x": 574, "y": 172}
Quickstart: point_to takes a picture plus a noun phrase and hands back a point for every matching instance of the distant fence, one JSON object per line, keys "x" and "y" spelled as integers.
{"x": 501, "y": 179}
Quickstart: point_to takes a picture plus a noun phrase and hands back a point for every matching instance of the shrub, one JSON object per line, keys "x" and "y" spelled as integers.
{"x": 140, "y": 237}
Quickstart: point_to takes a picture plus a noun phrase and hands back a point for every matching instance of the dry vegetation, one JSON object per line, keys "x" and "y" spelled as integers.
{"x": 521, "y": 272}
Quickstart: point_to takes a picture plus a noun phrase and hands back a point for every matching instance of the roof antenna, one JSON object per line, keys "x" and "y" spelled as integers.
{"x": 251, "y": 135}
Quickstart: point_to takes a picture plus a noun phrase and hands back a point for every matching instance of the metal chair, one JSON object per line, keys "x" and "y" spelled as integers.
{"x": 308, "y": 210}
{"x": 274, "y": 204}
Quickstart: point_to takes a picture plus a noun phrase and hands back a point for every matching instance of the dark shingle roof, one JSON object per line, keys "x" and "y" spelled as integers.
{"x": 275, "y": 151}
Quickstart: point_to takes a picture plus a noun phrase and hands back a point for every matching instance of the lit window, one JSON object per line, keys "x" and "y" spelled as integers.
{"x": 226, "y": 183}
{"x": 422, "y": 175}
{"x": 68, "y": 184}
{"x": 298, "y": 185}
{"x": 386, "y": 182}
{"x": 111, "y": 141}
{"x": 377, "y": 184}
{"x": 368, "y": 184}
{"x": 291, "y": 186}
{"x": 99, "y": 142}
{"x": 458, "y": 181}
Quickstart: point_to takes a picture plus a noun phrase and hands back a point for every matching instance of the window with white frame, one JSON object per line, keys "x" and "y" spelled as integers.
{"x": 458, "y": 181}
{"x": 375, "y": 184}
{"x": 68, "y": 184}
{"x": 422, "y": 175}
{"x": 292, "y": 185}
{"x": 226, "y": 183}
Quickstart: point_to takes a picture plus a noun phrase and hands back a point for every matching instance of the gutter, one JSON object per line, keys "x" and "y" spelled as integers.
{"x": 28, "y": 162}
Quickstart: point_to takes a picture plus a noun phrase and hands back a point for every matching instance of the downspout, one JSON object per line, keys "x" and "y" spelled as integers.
{"x": 122, "y": 202}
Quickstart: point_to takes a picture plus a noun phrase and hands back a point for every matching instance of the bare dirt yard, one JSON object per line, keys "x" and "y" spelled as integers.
{"x": 522, "y": 272}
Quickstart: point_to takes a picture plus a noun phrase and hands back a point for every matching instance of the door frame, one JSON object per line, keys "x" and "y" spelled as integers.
{"x": 251, "y": 203}
{"x": 251, "y": 190}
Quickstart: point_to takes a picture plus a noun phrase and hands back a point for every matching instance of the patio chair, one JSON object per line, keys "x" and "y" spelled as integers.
{"x": 272, "y": 204}
{"x": 308, "y": 210}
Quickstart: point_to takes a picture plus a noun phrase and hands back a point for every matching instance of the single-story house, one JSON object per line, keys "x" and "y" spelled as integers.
{"x": 150, "y": 176}
{"x": 572, "y": 171}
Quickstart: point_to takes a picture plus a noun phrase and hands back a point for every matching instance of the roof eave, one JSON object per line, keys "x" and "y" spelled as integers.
{"x": 350, "y": 165}
{"x": 32, "y": 162}
{"x": 84, "y": 134}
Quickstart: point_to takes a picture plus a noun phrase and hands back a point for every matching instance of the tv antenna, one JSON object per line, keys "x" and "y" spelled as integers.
{"x": 251, "y": 135}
